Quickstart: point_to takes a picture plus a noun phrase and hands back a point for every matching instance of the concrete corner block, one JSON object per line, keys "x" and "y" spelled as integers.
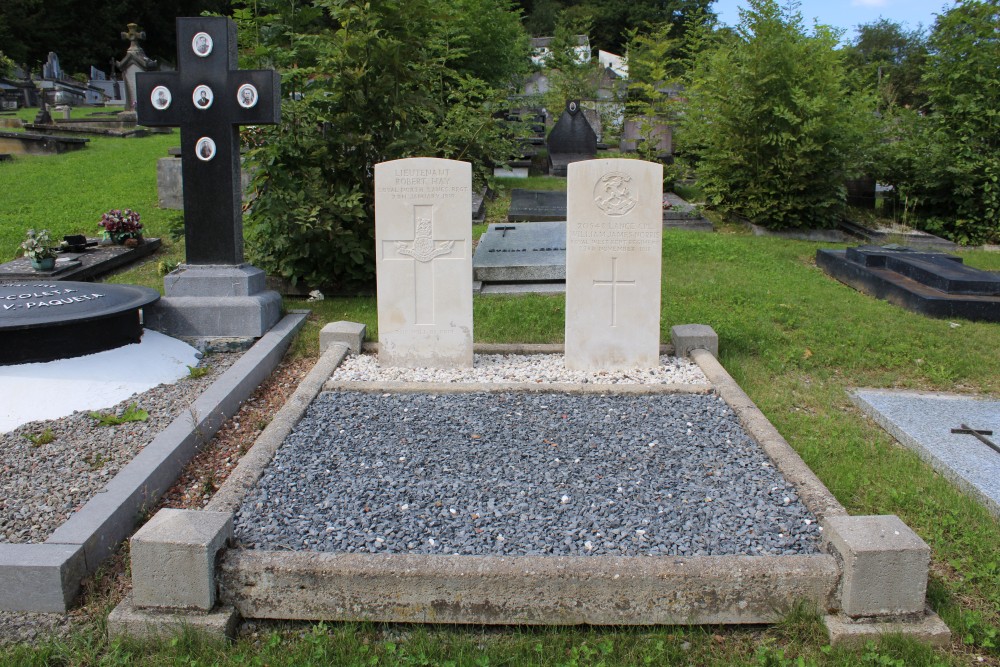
{"x": 687, "y": 337}
{"x": 351, "y": 334}
{"x": 173, "y": 558}
{"x": 845, "y": 631}
{"x": 127, "y": 621}
{"x": 884, "y": 565}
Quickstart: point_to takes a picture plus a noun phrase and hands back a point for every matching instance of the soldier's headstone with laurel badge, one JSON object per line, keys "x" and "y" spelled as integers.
{"x": 613, "y": 264}
{"x": 423, "y": 247}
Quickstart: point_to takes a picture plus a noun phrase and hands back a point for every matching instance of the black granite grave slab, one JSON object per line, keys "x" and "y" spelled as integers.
{"x": 906, "y": 237}
{"x": 88, "y": 264}
{"x": 44, "y": 320}
{"x": 524, "y": 252}
{"x": 930, "y": 283}
{"x": 536, "y": 205}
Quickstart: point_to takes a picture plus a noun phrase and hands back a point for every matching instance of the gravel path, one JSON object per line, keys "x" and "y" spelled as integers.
{"x": 517, "y": 473}
{"x": 42, "y": 485}
{"x": 518, "y": 368}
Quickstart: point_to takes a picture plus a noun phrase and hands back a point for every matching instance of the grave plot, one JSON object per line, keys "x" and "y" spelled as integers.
{"x": 610, "y": 481}
{"x": 959, "y": 436}
{"x": 931, "y": 283}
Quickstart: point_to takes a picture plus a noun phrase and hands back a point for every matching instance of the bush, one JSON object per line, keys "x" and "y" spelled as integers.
{"x": 770, "y": 125}
{"x": 369, "y": 83}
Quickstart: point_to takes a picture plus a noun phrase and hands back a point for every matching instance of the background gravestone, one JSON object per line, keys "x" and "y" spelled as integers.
{"x": 214, "y": 294}
{"x": 571, "y": 140}
{"x": 423, "y": 244}
{"x": 613, "y": 262}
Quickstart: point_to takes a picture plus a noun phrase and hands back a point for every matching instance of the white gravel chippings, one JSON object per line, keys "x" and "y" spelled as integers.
{"x": 519, "y": 368}
{"x": 515, "y": 473}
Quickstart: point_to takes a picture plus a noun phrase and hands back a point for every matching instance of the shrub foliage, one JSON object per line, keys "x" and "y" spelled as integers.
{"x": 365, "y": 83}
{"x": 769, "y": 121}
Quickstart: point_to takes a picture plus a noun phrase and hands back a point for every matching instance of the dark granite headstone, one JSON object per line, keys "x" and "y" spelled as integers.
{"x": 571, "y": 140}
{"x": 214, "y": 294}
{"x": 42, "y": 321}
{"x": 536, "y": 205}
{"x": 525, "y": 252}
{"x": 931, "y": 283}
{"x": 209, "y": 98}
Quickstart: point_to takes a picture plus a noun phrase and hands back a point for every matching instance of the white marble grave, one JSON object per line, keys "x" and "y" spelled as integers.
{"x": 424, "y": 263}
{"x": 613, "y": 260}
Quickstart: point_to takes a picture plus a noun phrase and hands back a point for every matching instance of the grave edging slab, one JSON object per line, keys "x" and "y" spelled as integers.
{"x": 75, "y": 549}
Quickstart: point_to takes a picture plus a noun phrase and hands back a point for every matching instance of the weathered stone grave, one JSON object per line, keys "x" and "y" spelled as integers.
{"x": 680, "y": 214}
{"x": 613, "y": 262}
{"x": 135, "y": 62}
{"x": 533, "y": 252}
{"x": 647, "y": 130}
{"x": 930, "y": 283}
{"x": 571, "y": 140}
{"x": 423, "y": 244}
{"x": 214, "y": 294}
{"x": 30, "y": 143}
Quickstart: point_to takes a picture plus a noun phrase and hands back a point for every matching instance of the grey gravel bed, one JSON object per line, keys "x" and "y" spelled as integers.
{"x": 524, "y": 474}
{"x": 42, "y": 485}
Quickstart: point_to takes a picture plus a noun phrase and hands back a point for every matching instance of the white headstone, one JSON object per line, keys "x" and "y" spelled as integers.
{"x": 424, "y": 263}
{"x": 613, "y": 260}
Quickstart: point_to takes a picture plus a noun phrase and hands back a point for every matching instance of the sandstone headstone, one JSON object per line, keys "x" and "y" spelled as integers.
{"x": 613, "y": 262}
{"x": 424, "y": 263}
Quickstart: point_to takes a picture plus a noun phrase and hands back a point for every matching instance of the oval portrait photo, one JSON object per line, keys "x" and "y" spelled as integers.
{"x": 247, "y": 96}
{"x": 205, "y": 149}
{"x": 161, "y": 97}
{"x": 202, "y": 44}
{"x": 203, "y": 97}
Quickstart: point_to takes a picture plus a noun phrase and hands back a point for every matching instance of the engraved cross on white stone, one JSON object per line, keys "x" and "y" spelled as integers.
{"x": 423, "y": 250}
{"x": 614, "y": 284}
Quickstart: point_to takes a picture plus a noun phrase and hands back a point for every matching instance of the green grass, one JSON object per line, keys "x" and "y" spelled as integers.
{"x": 796, "y": 341}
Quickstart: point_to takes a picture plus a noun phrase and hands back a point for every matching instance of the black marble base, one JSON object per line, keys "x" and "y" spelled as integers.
{"x": 933, "y": 284}
{"x": 44, "y": 320}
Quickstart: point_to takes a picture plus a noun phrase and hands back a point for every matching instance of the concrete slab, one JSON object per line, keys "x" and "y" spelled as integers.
{"x": 845, "y": 631}
{"x": 77, "y": 548}
{"x": 126, "y": 620}
{"x": 687, "y": 337}
{"x": 351, "y": 334}
{"x": 922, "y": 421}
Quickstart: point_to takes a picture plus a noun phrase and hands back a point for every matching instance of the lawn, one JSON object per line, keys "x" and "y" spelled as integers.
{"x": 793, "y": 338}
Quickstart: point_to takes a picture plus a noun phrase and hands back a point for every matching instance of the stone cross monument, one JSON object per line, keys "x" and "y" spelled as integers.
{"x": 134, "y": 62}
{"x": 214, "y": 293}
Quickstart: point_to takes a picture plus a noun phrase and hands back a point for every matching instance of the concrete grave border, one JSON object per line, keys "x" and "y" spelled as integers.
{"x": 46, "y": 577}
{"x": 602, "y": 590}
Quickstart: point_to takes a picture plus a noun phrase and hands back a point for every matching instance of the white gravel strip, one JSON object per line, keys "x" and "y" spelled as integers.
{"x": 518, "y": 368}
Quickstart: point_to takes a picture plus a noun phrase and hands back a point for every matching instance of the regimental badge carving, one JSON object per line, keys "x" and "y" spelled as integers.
{"x": 613, "y": 194}
{"x": 423, "y": 248}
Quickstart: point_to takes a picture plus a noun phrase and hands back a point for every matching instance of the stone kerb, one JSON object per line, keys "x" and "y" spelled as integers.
{"x": 424, "y": 263}
{"x": 613, "y": 264}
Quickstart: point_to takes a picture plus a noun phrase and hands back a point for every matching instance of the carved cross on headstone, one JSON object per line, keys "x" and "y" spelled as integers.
{"x": 614, "y": 284}
{"x": 208, "y": 97}
{"x": 423, "y": 250}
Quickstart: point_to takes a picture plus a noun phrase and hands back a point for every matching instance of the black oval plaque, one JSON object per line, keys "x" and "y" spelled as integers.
{"x": 46, "y": 320}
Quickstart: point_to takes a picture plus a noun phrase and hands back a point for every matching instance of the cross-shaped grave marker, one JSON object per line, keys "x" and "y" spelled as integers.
{"x": 208, "y": 97}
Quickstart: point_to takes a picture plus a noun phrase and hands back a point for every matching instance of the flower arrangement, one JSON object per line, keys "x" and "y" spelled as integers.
{"x": 121, "y": 225}
{"x": 37, "y": 245}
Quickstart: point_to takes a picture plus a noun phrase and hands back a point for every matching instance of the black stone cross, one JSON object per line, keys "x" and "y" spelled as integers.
{"x": 208, "y": 97}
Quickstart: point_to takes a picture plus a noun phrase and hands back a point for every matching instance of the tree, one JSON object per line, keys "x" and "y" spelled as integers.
{"x": 88, "y": 32}
{"x": 954, "y": 153}
{"x": 886, "y": 56}
{"x": 769, "y": 121}
{"x": 370, "y": 82}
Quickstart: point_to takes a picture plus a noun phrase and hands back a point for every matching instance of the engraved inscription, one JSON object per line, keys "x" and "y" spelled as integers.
{"x": 613, "y": 194}
{"x": 432, "y": 183}
{"x": 614, "y": 236}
